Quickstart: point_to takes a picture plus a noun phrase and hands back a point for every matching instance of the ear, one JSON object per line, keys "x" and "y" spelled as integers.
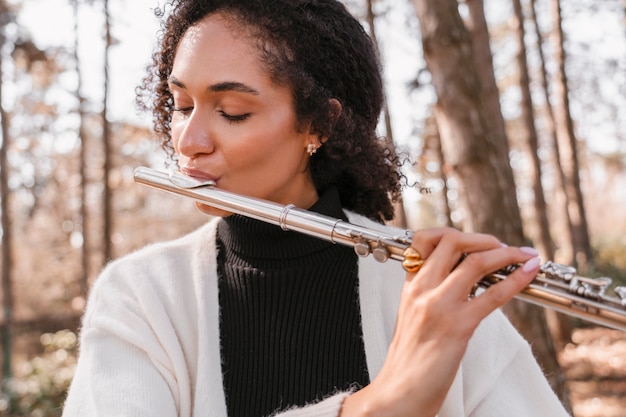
{"x": 312, "y": 140}
{"x": 334, "y": 111}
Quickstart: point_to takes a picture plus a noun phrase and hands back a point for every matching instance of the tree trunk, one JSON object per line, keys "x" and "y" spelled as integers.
{"x": 475, "y": 152}
{"x": 560, "y": 325}
{"x": 106, "y": 141}
{"x": 541, "y": 228}
{"x": 83, "y": 220}
{"x": 434, "y": 145}
{"x": 568, "y": 147}
{"x": 7, "y": 242}
{"x": 479, "y": 33}
{"x": 562, "y": 218}
{"x": 431, "y": 152}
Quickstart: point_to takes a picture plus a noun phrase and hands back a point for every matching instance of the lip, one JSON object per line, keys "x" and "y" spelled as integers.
{"x": 197, "y": 174}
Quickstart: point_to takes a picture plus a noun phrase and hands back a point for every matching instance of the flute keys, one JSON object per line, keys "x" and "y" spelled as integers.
{"x": 362, "y": 248}
{"x": 380, "y": 253}
{"x": 412, "y": 260}
{"x": 620, "y": 291}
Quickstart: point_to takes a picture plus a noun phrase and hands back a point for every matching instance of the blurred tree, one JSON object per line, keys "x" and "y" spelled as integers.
{"x": 568, "y": 147}
{"x": 6, "y": 16}
{"x": 479, "y": 34}
{"x": 106, "y": 142}
{"x": 432, "y": 159}
{"x": 562, "y": 221}
{"x": 560, "y": 330}
{"x": 476, "y": 151}
{"x": 471, "y": 149}
{"x": 540, "y": 226}
{"x": 82, "y": 138}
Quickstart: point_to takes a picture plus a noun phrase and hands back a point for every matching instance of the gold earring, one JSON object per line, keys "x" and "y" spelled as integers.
{"x": 311, "y": 149}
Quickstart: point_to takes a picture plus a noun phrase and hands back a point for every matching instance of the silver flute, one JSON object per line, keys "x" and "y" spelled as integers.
{"x": 556, "y": 286}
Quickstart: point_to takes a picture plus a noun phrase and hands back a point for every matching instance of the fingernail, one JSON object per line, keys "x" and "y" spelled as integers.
{"x": 531, "y": 264}
{"x": 529, "y": 251}
{"x": 504, "y": 245}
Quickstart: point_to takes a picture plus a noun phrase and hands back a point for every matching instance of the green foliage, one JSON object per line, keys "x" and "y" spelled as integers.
{"x": 41, "y": 384}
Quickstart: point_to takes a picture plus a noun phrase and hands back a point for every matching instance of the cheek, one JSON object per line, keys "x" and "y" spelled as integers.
{"x": 253, "y": 155}
{"x": 174, "y": 136}
{"x": 266, "y": 161}
{"x": 274, "y": 143}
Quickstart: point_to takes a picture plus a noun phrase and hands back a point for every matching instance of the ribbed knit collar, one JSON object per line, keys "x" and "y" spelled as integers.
{"x": 254, "y": 239}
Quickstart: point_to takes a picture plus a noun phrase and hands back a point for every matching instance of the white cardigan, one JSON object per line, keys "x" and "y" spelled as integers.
{"x": 149, "y": 342}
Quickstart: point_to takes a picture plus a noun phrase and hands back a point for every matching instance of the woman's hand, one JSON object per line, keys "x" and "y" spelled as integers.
{"x": 436, "y": 319}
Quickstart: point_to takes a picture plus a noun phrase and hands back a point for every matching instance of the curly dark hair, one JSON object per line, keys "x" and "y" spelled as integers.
{"x": 319, "y": 50}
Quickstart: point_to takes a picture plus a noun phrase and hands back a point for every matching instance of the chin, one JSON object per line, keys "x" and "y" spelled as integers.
{"x": 212, "y": 211}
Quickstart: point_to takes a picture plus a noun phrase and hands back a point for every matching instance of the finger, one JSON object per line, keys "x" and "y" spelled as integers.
{"x": 422, "y": 245}
{"x": 425, "y": 240}
{"x": 451, "y": 246}
{"x": 474, "y": 266}
{"x": 499, "y": 294}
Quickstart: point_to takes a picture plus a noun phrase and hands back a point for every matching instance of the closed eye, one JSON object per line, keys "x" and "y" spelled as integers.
{"x": 185, "y": 111}
{"x": 234, "y": 118}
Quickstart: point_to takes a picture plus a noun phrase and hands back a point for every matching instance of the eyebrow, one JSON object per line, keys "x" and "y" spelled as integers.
{"x": 220, "y": 87}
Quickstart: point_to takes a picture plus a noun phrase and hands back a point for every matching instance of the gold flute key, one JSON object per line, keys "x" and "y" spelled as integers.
{"x": 412, "y": 260}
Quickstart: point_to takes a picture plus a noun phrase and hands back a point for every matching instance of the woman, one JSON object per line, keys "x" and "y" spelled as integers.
{"x": 280, "y": 100}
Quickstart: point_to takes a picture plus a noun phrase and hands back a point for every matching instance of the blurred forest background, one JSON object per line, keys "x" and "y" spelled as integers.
{"x": 512, "y": 111}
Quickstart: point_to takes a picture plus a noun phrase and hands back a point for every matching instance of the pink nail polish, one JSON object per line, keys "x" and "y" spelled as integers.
{"x": 531, "y": 264}
{"x": 529, "y": 251}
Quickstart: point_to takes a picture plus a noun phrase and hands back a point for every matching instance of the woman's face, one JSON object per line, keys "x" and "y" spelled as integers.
{"x": 231, "y": 123}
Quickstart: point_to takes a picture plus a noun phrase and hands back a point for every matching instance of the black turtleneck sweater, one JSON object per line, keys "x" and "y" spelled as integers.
{"x": 290, "y": 323}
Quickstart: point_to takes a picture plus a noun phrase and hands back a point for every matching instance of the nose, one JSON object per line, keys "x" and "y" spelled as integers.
{"x": 192, "y": 138}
